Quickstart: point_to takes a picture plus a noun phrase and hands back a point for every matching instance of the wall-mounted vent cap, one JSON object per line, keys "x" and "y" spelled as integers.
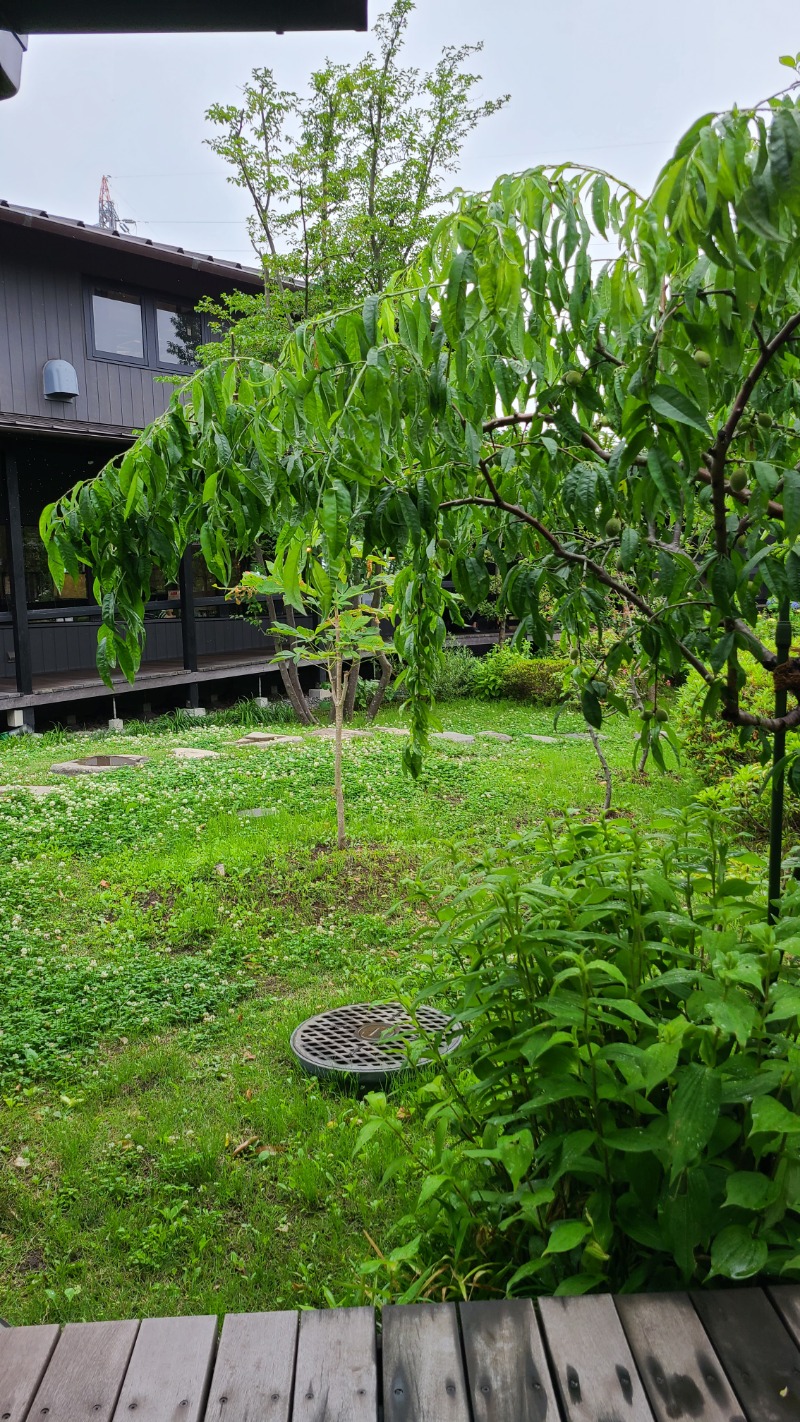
{"x": 60, "y": 380}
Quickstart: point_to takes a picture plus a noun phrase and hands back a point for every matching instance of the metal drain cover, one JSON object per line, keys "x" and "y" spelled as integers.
{"x": 366, "y": 1041}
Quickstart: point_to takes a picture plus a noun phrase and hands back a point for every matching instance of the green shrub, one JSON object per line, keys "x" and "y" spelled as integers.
{"x": 456, "y": 674}
{"x": 507, "y": 672}
{"x": 731, "y": 760}
{"x": 622, "y": 1111}
{"x": 714, "y": 747}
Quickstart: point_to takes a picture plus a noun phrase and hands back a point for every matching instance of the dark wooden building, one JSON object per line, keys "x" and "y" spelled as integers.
{"x": 93, "y": 324}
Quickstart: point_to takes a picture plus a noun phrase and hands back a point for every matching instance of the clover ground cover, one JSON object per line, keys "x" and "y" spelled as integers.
{"x": 159, "y": 1150}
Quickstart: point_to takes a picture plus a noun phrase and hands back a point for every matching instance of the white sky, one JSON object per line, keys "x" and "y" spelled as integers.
{"x": 612, "y": 84}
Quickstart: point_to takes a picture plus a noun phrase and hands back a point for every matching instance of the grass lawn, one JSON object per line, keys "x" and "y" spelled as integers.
{"x": 160, "y": 1151}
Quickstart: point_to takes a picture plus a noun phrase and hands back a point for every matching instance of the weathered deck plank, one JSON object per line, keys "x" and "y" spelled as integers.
{"x": 597, "y": 1377}
{"x": 676, "y": 1361}
{"x": 169, "y": 1371}
{"x": 786, "y": 1298}
{"x": 85, "y": 1373}
{"x": 726, "y": 1356}
{"x": 254, "y": 1372}
{"x": 755, "y": 1350}
{"x": 507, "y": 1372}
{"x": 336, "y": 1379}
{"x": 24, "y": 1355}
{"x": 423, "y": 1372}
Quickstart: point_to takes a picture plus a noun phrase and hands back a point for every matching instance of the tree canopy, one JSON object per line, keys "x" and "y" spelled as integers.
{"x": 346, "y": 180}
{"x": 592, "y": 391}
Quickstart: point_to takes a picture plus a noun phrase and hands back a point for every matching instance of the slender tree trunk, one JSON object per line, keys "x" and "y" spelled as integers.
{"x": 639, "y": 704}
{"x": 339, "y": 680}
{"x": 606, "y": 768}
{"x": 288, "y": 672}
{"x": 353, "y": 673}
{"x": 380, "y": 691}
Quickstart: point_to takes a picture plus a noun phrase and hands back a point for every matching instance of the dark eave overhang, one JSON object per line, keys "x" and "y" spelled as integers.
{"x": 69, "y": 17}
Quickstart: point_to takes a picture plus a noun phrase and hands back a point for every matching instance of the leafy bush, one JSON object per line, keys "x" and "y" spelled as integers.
{"x": 622, "y": 1110}
{"x": 507, "y": 672}
{"x": 714, "y": 747}
{"x": 734, "y": 761}
{"x": 457, "y": 674}
{"x": 368, "y": 685}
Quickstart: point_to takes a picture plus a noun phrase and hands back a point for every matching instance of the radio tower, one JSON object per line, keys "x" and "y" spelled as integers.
{"x": 108, "y": 217}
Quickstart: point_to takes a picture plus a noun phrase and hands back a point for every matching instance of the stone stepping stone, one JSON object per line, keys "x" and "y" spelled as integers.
{"x": 456, "y": 736}
{"x": 582, "y": 736}
{"x": 258, "y": 739}
{"x": 392, "y": 731}
{"x": 98, "y": 764}
{"x": 543, "y": 740}
{"x": 40, "y": 791}
{"x": 192, "y": 753}
{"x": 256, "y": 814}
{"x": 495, "y": 736}
{"x": 328, "y": 733}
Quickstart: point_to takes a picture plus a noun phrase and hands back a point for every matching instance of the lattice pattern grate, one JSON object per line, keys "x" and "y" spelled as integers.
{"x": 366, "y": 1040}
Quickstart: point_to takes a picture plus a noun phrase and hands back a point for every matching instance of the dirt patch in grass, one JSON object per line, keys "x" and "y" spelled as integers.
{"x": 162, "y": 900}
{"x": 32, "y": 1262}
{"x": 364, "y": 879}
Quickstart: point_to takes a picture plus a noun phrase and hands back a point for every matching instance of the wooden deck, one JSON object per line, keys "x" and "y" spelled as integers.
{"x": 726, "y": 1356}
{"x": 57, "y": 688}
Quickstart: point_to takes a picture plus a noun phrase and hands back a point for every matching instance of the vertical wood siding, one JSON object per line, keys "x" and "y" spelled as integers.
{"x": 42, "y": 318}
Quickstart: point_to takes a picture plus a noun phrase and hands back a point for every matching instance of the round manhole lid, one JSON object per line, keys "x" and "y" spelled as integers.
{"x": 368, "y": 1041}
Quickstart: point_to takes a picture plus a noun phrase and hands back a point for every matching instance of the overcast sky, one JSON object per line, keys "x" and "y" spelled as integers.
{"x": 612, "y": 84}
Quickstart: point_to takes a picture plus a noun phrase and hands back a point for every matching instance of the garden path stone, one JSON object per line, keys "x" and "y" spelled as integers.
{"x": 328, "y": 733}
{"x": 256, "y": 814}
{"x": 543, "y": 740}
{"x": 98, "y": 764}
{"x": 457, "y": 736}
{"x": 495, "y": 736}
{"x": 257, "y": 738}
{"x": 582, "y": 736}
{"x": 392, "y": 731}
{"x": 40, "y": 791}
{"x": 193, "y": 753}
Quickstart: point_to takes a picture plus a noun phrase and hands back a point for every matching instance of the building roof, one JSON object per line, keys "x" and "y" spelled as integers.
{"x": 94, "y": 17}
{"x": 102, "y": 244}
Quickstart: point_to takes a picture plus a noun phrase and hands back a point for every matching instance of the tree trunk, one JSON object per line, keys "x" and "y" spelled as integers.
{"x": 606, "y": 768}
{"x": 380, "y": 691}
{"x": 338, "y": 693}
{"x": 288, "y": 671}
{"x": 639, "y": 704}
{"x": 353, "y": 673}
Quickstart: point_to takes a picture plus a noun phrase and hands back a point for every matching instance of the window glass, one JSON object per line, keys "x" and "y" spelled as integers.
{"x": 118, "y": 325}
{"x": 179, "y": 334}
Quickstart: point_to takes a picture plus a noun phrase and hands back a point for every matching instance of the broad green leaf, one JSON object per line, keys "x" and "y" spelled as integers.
{"x": 672, "y": 404}
{"x": 735, "y": 1254}
{"x": 591, "y": 709}
{"x": 692, "y": 1113}
{"x": 772, "y": 1117}
{"x": 516, "y": 1153}
{"x": 567, "y": 1235}
{"x": 750, "y": 1190}
{"x": 790, "y": 498}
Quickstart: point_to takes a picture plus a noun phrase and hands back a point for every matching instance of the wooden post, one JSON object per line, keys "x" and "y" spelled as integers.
{"x": 23, "y": 666}
{"x": 188, "y": 628}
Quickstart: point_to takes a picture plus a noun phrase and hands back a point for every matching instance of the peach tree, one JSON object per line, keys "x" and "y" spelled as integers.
{"x": 591, "y": 391}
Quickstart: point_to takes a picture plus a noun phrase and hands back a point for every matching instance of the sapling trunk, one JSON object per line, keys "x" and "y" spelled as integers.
{"x": 380, "y": 692}
{"x": 353, "y": 673}
{"x": 639, "y": 704}
{"x": 606, "y": 768}
{"x": 289, "y": 675}
{"x": 339, "y": 679}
